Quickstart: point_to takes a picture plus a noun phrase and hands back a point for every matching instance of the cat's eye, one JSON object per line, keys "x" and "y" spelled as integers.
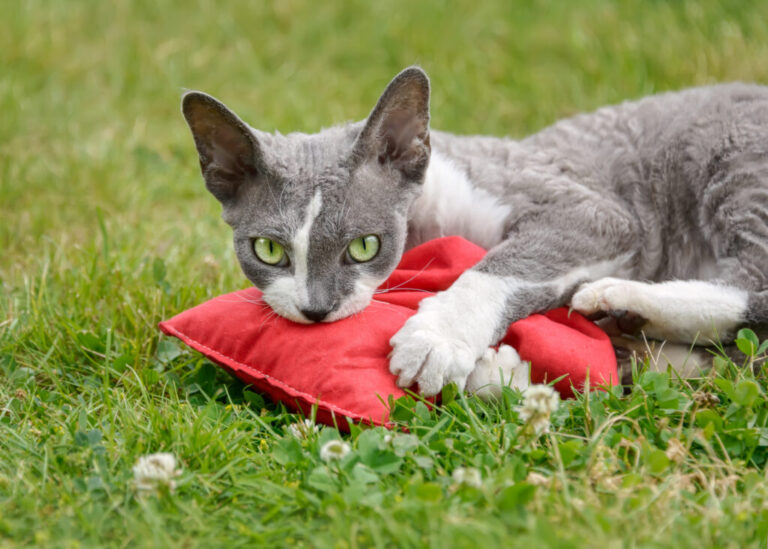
{"x": 364, "y": 248}
{"x": 268, "y": 251}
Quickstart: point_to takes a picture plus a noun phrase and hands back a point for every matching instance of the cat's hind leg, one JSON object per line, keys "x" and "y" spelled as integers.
{"x": 733, "y": 213}
{"x": 687, "y": 311}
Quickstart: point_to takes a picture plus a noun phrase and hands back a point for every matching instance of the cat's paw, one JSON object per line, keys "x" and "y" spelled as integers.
{"x": 441, "y": 343}
{"x": 497, "y": 369}
{"x": 607, "y": 295}
{"x": 428, "y": 352}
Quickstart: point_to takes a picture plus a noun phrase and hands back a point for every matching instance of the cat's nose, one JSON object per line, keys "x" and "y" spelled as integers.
{"x": 316, "y": 315}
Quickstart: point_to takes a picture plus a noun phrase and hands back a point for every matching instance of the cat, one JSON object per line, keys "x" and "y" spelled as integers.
{"x": 656, "y": 207}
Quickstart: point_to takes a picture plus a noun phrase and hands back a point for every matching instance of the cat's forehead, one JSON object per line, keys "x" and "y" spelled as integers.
{"x": 300, "y": 157}
{"x": 303, "y": 168}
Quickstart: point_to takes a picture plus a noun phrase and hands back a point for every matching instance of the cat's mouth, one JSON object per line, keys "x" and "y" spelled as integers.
{"x": 286, "y": 305}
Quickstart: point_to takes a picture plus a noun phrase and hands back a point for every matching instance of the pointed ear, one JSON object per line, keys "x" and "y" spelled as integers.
{"x": 397, "y": 130}
{"x": 229, "y": 152}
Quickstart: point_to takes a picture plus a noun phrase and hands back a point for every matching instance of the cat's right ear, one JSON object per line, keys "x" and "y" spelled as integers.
{"x": 229, "y": 153}
{"x": 396, "y": 133}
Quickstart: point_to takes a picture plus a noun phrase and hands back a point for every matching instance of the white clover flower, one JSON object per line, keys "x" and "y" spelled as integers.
{"x": 303, "y": 429}
{"x": 334, "y": 450}
{"x": 537, "y": 479}
{"x": 675, "y": 450}
{"x": 539, "y": 401}
{"x": 468, "y": 476}
{"x": 155, "y": 470}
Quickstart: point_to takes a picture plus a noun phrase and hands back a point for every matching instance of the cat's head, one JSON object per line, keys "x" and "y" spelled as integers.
{"x": 319, "y": 220}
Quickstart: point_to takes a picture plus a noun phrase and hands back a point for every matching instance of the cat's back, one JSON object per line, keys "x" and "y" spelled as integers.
{"x": 697, "y": 121}
{"x": 673, "y": 160}
{"x": 702, "y": 116}
{"x": 659, "y": 159}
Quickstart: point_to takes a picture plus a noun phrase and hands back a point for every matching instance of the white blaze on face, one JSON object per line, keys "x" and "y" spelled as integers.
{"x": 301, "y": 249}
{"x": 289, "y": 294}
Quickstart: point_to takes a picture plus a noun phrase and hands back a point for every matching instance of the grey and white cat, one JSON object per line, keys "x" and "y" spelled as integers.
{"x": 658, "y": 207}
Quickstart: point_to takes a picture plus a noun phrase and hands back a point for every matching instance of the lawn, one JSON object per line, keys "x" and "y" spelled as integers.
{"x": 106, "y": 228}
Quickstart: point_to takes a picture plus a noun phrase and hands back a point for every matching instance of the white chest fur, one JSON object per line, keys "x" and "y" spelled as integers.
{"x": 450, "y": 205}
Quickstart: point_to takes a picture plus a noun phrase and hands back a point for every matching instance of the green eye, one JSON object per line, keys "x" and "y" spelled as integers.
{"x": 364, "y": 248}
{"x": 268, "y": 251}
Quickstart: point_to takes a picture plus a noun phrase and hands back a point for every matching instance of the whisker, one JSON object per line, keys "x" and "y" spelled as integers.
{"x": 270, "y": 316}
{"x": 260, "y": 302}
{"x": 387, "y": 290}
{"x": 424, "y": 268}
{"x": 342, "y": 214}
{"x": 384, "y": 303}
{"x": 280, "y": 201}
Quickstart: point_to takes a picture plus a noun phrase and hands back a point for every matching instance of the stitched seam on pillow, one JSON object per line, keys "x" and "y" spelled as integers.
{"x": 281, "y": 384}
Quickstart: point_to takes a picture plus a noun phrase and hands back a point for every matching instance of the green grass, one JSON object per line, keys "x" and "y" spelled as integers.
{"x": 105, "y": 229}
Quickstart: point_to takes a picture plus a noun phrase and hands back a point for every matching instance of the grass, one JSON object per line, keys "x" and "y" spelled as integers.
{"x": 107, "y": 229}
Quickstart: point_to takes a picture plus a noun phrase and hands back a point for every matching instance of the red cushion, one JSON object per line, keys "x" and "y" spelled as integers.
{"x": 342, "y": 367}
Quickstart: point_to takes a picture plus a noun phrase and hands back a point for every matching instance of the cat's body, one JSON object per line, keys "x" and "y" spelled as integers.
{"x": 671, "y": 189}
{"x": 656, "y": 164}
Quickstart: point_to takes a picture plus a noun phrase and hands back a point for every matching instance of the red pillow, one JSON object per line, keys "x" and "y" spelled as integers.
{"x": 342, "y": 367}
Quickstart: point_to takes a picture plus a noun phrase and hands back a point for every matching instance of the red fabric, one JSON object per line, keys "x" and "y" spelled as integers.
{"x": 342, "y": 366}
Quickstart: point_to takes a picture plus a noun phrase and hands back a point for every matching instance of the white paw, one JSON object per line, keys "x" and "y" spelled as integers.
{"x": 427, "y": 353}
{"x": 497, "y": 369}
{"x": 441, "y": 343}
{"x": 607, "y": 294}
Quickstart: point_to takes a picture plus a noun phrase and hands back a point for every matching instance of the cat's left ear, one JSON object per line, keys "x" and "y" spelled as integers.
{"x": 396, "y": 133}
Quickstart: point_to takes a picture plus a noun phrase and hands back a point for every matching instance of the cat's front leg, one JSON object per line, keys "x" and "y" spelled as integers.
{"x": 443, "y": 341}
{"x": 535, "y": 272}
